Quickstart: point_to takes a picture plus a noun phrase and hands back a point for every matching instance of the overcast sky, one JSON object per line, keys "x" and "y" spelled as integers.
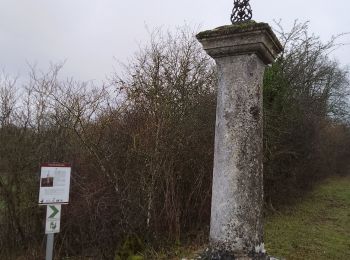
{"x": 91, "y": 34}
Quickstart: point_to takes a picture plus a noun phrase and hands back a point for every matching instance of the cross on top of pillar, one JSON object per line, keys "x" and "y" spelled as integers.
{"x": 241, "y": 11}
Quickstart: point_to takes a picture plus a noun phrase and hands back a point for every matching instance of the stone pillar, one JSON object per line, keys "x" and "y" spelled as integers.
{"x": 241, "y": 53}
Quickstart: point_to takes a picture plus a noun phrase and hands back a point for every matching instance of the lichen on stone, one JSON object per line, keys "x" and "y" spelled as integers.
{"x": 210, "y": 254}
{"x": 234, "y": 28}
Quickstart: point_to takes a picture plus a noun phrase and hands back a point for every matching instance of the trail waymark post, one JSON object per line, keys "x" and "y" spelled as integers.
{"x": 54, "y": 191}
{"x": 53, "y": 218}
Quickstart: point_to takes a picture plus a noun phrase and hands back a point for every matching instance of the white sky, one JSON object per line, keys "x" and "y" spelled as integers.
{"x": 91, "y": 34}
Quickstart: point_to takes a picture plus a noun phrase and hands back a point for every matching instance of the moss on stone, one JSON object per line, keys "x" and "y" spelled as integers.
{"x": 234, "y": 28}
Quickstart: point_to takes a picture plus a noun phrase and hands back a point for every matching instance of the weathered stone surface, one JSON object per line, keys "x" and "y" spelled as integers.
{"x": 236, "y": 221}
{"x": 222, "y": 255}
{"x": 241, "y": 53}
{"x": 242, "y": 39}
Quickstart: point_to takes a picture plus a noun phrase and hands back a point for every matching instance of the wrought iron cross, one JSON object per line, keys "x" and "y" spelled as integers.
{"x": 241, "y": 11}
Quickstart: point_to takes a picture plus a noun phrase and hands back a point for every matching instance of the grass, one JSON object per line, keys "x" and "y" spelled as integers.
{"x": 317, "y": 228}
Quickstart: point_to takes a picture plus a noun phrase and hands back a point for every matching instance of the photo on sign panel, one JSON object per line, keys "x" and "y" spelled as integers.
{"x": 47, "y": 182}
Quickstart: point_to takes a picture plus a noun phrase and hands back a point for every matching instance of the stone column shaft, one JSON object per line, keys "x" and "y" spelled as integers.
{"x": 237, "y": 177}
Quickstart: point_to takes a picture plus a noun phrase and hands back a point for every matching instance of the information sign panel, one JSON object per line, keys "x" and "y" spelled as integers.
{"x": 54, "y": 183}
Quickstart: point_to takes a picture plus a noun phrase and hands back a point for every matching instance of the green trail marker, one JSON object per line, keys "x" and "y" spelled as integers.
{"x": 55, "y": 210}
{"x": 53, "y": 219}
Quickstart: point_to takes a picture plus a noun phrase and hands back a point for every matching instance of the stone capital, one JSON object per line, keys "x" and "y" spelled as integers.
{"x": 240, "y": 39}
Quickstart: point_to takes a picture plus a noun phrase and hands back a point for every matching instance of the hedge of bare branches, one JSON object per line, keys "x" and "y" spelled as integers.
{"x": 142, "y": 145}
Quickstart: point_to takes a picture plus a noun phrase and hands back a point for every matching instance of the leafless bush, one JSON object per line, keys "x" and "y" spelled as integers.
{"x": 142, "y": 145}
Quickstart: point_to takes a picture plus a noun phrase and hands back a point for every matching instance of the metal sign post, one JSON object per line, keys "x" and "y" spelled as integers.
{"x": 49, "y": 246}
{"x": 54, "y": 191}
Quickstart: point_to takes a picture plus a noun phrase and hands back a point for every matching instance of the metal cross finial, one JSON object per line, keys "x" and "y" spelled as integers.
{"x": 241, "y": 11}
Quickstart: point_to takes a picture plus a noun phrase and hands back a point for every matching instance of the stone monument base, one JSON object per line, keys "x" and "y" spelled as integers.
{"x": 222, "y": 255}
